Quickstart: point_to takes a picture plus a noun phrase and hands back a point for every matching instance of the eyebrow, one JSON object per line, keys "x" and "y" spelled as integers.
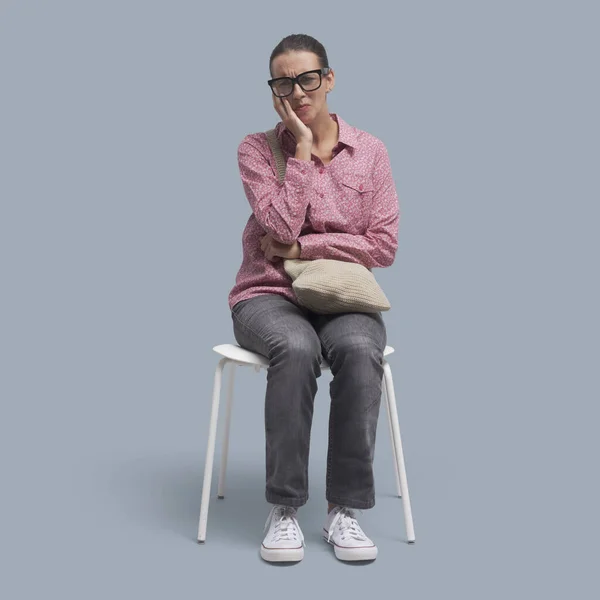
{"x": 290, "y": 76}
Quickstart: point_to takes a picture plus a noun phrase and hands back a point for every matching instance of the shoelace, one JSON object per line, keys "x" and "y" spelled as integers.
{"x": 287, "y": 527}
{"x": 348, "y": 524}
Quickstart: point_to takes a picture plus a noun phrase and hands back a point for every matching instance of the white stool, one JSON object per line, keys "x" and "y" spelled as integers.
{"x": 236, "y": 355}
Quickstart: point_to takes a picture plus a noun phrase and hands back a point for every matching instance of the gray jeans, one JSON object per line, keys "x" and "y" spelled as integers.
{"x": 294, "y": 339}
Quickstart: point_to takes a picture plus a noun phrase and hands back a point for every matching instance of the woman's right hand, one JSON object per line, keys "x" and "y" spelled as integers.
{"x": 291, "y": 120}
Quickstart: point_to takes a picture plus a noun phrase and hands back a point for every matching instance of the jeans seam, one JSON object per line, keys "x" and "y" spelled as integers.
{"x": 330, "y": 448}
{"x": 245, "y": 326}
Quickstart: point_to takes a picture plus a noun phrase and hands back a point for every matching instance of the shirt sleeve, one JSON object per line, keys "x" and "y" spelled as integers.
{"x": 280, "y": 208}
{"x": 377, "y": 246}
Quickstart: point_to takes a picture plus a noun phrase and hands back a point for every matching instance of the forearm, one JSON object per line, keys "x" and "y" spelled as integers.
{"x": 280, "y": 208}
{"x": 368, "y": 250}
{"x": 283, "y": 213}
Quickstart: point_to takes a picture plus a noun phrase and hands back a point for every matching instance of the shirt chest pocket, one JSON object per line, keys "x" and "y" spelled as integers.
{"x": 357, "y": 193}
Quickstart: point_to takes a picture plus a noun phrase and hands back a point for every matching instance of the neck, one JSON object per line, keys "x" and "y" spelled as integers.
{"x": 323, "y": 128}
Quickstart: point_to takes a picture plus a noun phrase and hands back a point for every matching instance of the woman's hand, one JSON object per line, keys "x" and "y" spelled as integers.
{"x": 291, "y": 120}
{"x": 274, "y": 249}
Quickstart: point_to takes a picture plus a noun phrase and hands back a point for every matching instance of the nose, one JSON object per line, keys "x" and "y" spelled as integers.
{"x": 297, "y": 88}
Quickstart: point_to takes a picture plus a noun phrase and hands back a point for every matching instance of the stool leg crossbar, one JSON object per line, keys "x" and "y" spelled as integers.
{"x": 392, "y": 414}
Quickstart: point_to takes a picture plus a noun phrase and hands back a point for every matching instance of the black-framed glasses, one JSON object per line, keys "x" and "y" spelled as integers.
{"x": 309, "y": 81}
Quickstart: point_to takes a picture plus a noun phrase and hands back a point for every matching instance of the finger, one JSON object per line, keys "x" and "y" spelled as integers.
{"x": 273, "y": 250}
{"x": 290, "y": 114}
{"x": 275, "y": 103}
{"x": 279, "y": 106}
{"x": 290, "y": 110}
{"x": 266, "y": 240}
{"x": 287, "y": 109}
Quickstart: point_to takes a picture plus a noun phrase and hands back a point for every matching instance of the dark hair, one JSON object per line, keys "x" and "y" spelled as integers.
{"x": 300, "y": 42}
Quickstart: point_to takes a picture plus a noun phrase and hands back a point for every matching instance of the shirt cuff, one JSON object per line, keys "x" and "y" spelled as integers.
{"x": 310, "y": 245}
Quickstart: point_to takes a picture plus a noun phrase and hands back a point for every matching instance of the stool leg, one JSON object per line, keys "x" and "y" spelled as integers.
{"x": 408, "y": 520}
{"x": 225, "y": 447}
{"x": 389, "y": 414}
{"x": 210, "y": 451}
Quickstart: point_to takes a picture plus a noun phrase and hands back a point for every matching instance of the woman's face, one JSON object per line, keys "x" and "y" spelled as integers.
{"x": 291, "y": 64}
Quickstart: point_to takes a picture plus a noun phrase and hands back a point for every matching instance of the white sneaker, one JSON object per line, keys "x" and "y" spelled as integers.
{"x": 343, "y": 532}
{"x": 284, "y": 540}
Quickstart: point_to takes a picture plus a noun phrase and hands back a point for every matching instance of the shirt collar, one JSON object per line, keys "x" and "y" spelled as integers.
{"x": 347, "y": 134}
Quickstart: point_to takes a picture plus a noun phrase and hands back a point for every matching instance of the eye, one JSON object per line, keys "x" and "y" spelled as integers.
{"x": 283, "y": 85}
{"x": 309, "y": 78}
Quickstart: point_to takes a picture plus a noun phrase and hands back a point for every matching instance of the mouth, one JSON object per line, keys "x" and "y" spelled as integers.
{"x": 303, "y": 107}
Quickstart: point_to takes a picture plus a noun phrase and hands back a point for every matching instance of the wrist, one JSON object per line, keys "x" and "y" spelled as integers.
{"x": 304, "y": 151}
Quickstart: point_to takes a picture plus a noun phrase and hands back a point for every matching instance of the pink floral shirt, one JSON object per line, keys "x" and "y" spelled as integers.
{"x": 346, "y": 210}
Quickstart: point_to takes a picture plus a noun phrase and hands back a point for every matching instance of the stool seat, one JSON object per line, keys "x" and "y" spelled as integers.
{"x": 242, "y": 356}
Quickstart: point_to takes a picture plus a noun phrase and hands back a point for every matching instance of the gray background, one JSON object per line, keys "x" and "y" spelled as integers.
{"x": 121, "y": 222}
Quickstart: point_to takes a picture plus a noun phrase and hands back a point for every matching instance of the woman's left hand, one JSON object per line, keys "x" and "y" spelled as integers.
{"x": 273, "y": 249}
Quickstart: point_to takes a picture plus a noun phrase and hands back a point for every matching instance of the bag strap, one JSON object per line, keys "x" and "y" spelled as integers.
{"x": 277, "y": 153}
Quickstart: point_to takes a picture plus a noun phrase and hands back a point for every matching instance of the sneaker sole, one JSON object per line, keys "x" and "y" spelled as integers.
{"x": 282, "y": 554}
{"x": 363, "y": 553}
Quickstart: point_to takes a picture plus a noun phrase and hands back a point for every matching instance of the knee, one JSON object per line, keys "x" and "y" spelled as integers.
{"x": 300, "y": 348}
{"x": 358, "y": 347}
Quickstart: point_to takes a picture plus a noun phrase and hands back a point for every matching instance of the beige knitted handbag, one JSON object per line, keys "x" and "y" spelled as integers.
{"x": 329, "y": 286}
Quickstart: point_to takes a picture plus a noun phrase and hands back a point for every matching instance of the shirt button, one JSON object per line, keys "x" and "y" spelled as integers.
{"x": 321, "y": 171}
{"x": 360, "y": 187}
{"x": 303, "y": 171}
{"x": 320, "y": 195}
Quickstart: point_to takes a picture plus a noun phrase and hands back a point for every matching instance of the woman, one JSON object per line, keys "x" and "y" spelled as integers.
{"x": 339, "y": 201}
